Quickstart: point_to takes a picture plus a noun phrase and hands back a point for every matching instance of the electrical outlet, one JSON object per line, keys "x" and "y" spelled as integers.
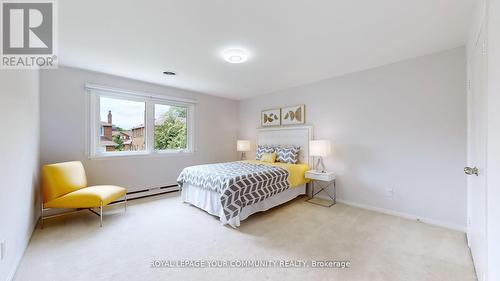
{"x": 2, "y": 249}
{"x": 389, "y": 192}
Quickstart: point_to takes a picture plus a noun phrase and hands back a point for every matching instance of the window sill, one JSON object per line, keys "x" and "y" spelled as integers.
{"x": 141, "y": 155}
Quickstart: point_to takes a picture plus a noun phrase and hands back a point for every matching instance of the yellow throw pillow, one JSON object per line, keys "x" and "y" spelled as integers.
{"x": 268, "y": 157}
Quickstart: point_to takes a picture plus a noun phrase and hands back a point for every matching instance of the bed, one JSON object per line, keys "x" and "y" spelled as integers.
{"x": 233, "y": 191}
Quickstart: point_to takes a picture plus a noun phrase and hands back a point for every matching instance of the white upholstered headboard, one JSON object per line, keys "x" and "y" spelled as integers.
{"x": 293, "y": 135}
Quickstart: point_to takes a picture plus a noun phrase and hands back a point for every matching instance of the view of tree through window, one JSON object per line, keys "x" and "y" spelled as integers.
{"x": 170, "y": 127}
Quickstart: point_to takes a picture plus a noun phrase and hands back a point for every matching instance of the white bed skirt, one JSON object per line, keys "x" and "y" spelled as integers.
{"x": 209, "y": 201}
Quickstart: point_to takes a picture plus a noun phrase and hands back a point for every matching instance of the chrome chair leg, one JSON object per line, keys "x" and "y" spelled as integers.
{"x": 125, "y": 202}
{"x": 100, "y": 213}
{"x": 41, "y": 217}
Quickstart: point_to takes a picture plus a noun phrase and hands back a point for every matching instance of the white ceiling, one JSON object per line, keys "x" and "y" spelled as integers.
{"x": 291, "y": 42}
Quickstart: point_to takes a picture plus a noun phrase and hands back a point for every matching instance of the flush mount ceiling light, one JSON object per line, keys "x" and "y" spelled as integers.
{"x": 235, "y": 55}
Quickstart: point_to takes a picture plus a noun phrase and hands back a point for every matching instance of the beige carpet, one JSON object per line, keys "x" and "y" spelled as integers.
{"x": 379, "y": 247}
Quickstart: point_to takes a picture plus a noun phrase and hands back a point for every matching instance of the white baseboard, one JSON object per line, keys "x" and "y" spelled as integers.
{"x": 10, "y": 277}
{"x": 452, "y": 226}
{"x": 13, "y": 272}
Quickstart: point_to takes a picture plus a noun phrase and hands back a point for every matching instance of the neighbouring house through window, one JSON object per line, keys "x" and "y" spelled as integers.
{"x": 120, "y": 120}
{"x": 125, "y": 124}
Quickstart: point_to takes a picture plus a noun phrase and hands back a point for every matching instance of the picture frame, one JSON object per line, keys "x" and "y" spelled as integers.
{"x": 270, "y": 117}
{"x": 293, "y": 115}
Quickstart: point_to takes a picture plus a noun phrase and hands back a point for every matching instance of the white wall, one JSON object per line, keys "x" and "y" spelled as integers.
{"x": 401, "y": 126}
{"x": 63, "y": 133}
{"x": 19, "y": 165}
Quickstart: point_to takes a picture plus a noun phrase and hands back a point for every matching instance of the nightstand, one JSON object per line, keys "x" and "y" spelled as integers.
{"x": 326, "y": 179}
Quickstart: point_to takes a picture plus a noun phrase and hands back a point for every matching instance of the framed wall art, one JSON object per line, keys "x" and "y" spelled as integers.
{"x": 270, "y": 117}
{"x": 293, "y": 115}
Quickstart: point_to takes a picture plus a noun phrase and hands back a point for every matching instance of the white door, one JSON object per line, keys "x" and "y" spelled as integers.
{"x": 477, "y": 129}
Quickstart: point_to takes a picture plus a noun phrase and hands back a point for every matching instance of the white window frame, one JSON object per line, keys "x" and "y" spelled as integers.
{"x": 97, "y": 91}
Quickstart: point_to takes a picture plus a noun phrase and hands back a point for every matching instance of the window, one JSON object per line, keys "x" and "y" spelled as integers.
{"x": 126, "y": 123}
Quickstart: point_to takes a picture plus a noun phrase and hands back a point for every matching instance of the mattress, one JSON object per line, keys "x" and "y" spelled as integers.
{"x": 209, "y": 201}
{"x": 243, "y": 183}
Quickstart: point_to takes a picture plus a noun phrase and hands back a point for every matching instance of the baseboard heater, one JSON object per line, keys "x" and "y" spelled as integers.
{"x": 137, "y": 194}
{"x": 130, "y": 196}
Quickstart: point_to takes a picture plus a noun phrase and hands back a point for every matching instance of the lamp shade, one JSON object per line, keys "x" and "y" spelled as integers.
{"x": 243, "y": 145}
{"x": 320, "y": 148}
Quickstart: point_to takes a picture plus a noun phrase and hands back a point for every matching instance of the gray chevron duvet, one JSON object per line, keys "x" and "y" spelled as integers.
{"x": 239, "y": 183}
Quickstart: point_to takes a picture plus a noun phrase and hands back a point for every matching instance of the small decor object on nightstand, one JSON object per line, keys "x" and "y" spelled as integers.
{"x": 243, "y": 146}
{"x": 327, "y": 179}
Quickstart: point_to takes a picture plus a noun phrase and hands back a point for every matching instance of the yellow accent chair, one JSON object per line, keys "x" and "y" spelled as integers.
{"x": 64, "y": 185}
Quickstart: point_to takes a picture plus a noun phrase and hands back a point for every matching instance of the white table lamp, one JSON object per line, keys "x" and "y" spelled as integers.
{"x": 320, "y": 149}
{"x": 243, "y": 146}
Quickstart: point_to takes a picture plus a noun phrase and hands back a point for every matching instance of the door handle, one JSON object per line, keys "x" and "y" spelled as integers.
{"x": 471, "y": 171}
